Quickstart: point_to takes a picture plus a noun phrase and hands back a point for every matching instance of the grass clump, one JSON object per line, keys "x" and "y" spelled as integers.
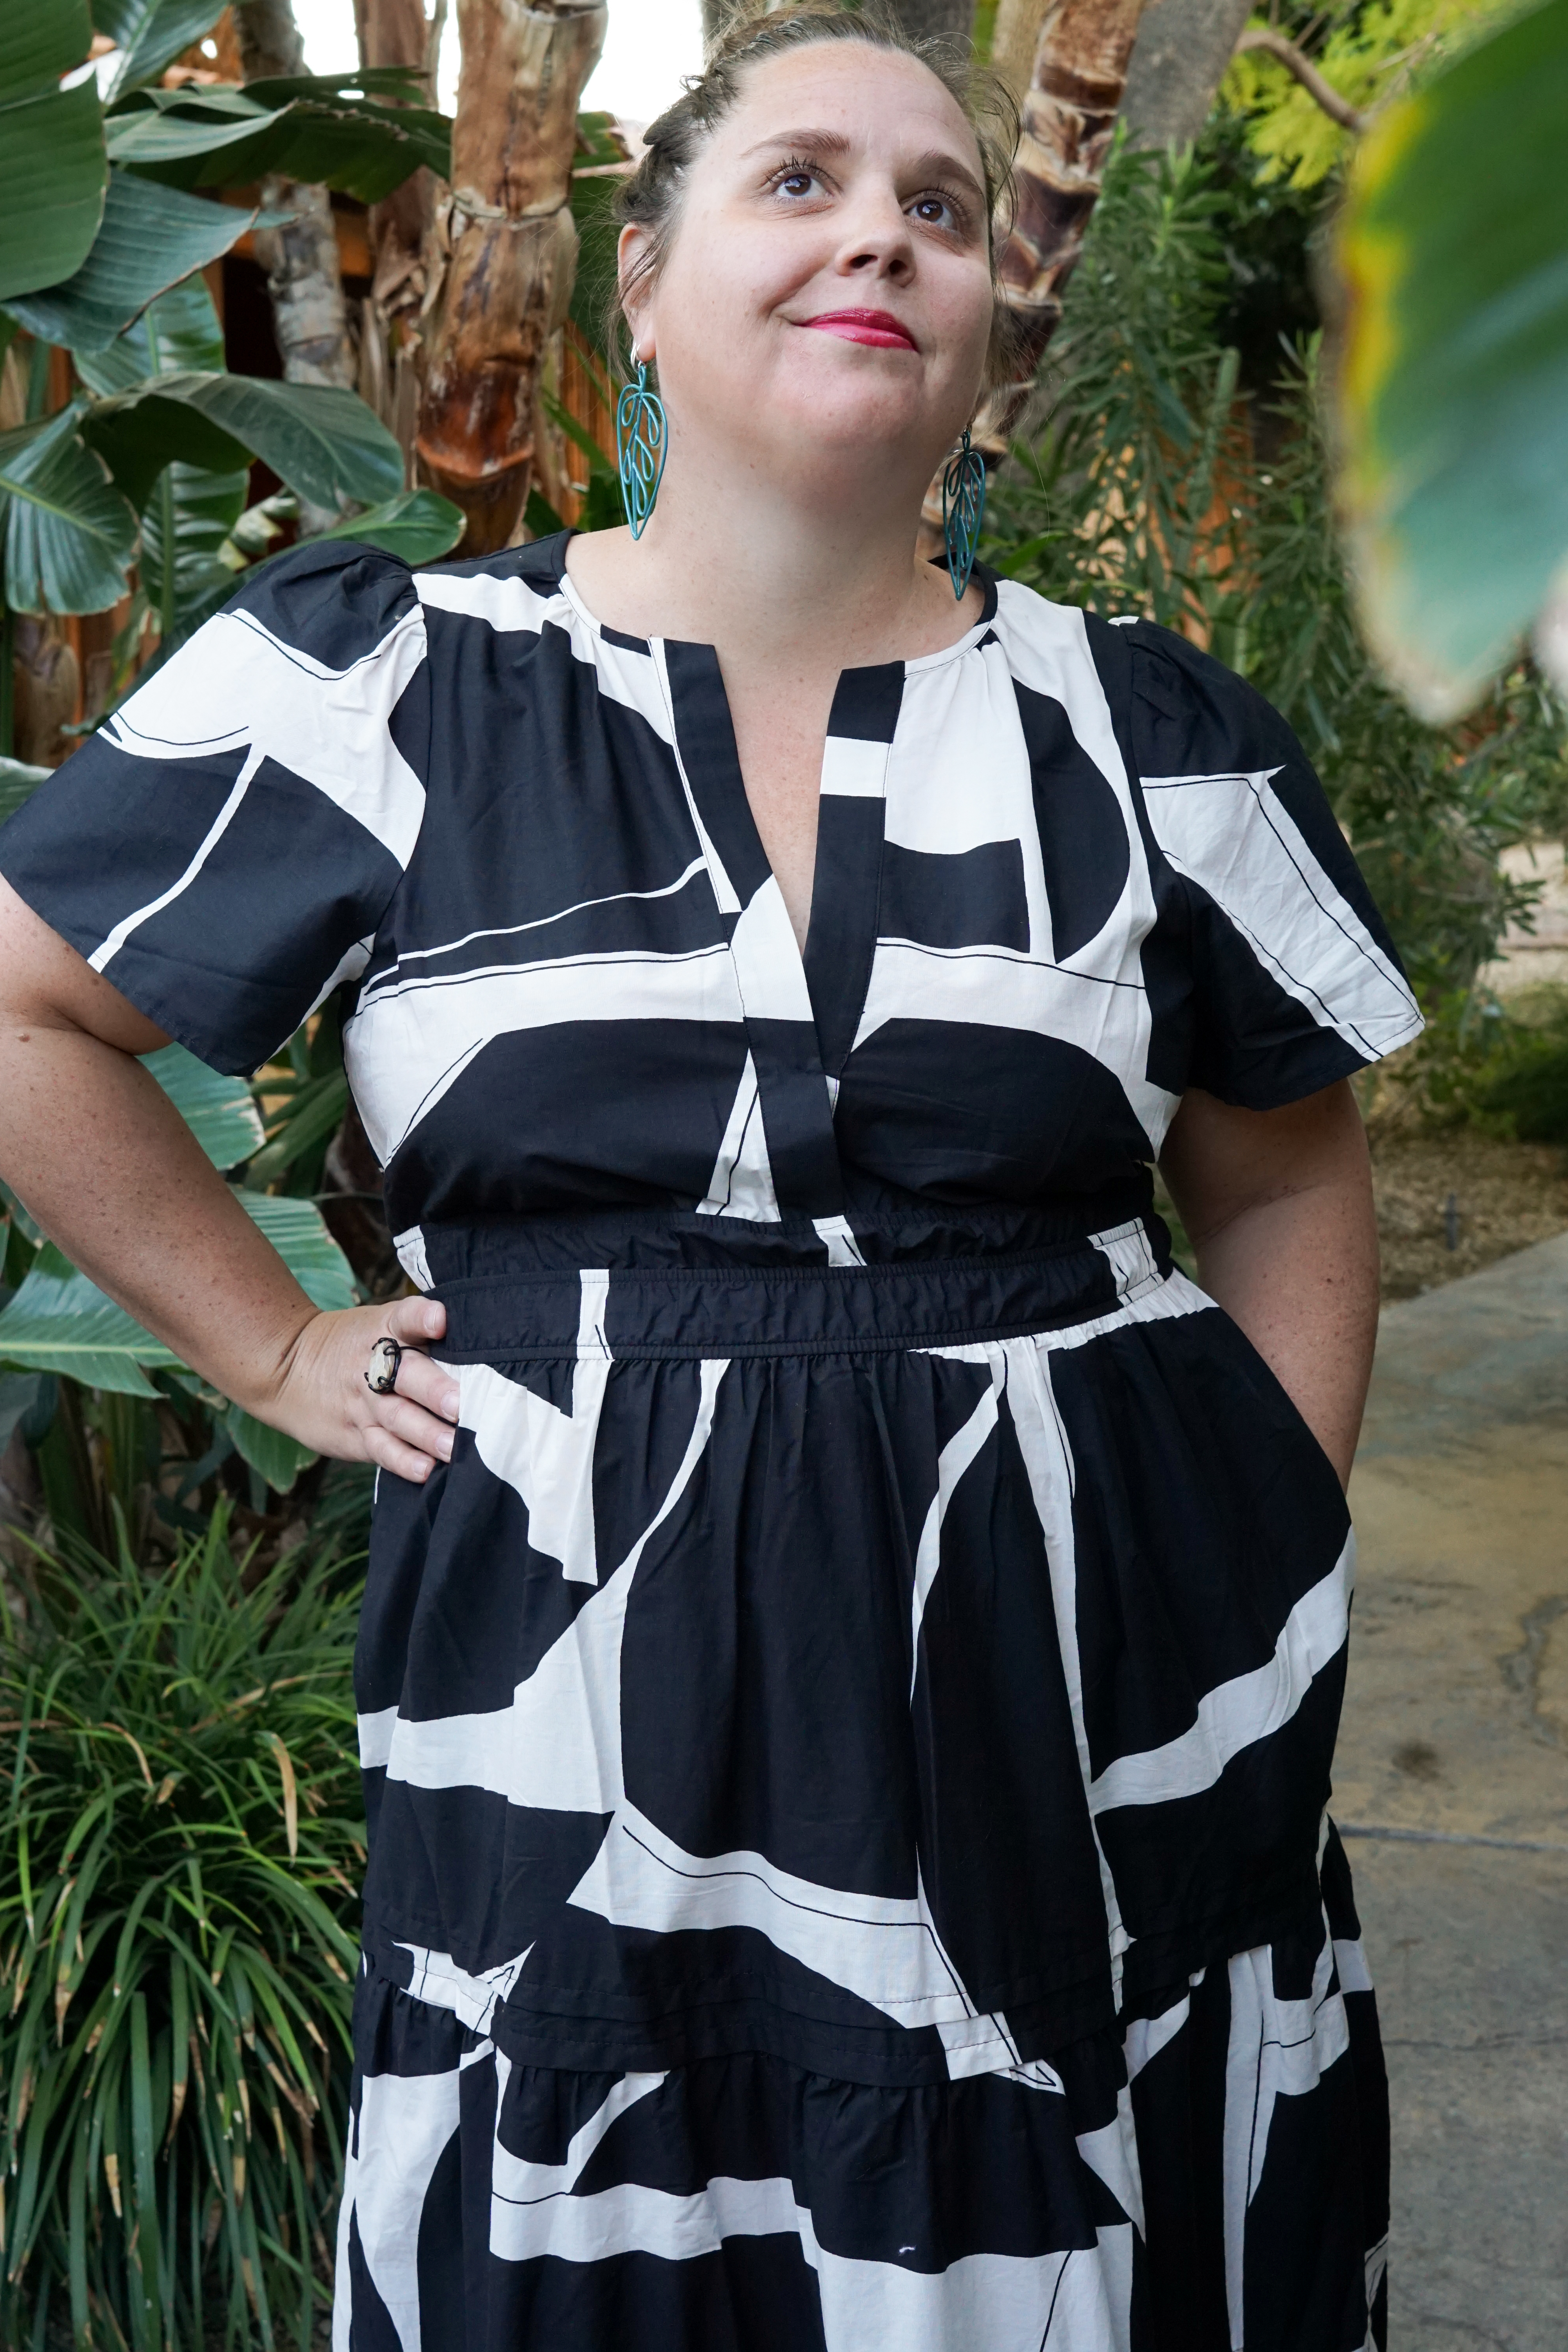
{"x": 178, "y": 1868}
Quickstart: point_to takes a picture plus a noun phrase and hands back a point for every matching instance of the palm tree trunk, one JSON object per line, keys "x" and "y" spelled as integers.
{"x": 1014, "y": 31}
{"x": 1069, "y": 112}
{"x": 506, "y": 250}
{"x": 309, "y": 314}
{"x": 952, "y": 20}
{"x": 396, "y": 33}
{"x": 1184, "y": 48}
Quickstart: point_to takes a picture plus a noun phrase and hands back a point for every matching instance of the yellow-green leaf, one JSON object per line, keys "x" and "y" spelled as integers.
{"x": 1452, "y": 390}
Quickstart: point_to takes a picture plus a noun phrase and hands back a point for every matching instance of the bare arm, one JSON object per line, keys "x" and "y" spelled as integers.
{"x": 105, "y": 1163}
{"x": 1277, "y": 1204}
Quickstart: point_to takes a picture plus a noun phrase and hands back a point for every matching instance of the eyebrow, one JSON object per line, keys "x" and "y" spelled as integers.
{"x": 939, "y": 160}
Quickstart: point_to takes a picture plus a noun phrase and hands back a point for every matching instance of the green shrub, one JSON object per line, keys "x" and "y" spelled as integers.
{"x": 1525, "y": 1082}
{"x": 1531, "y": 1089}
{"x": 177, "y": 1894}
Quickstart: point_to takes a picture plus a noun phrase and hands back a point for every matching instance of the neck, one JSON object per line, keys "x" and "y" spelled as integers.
{"x": 776, "y": 568}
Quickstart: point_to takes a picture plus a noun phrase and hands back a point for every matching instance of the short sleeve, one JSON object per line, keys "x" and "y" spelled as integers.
{"x": 1289, "y": 977}
{"x": 222, "y": 849}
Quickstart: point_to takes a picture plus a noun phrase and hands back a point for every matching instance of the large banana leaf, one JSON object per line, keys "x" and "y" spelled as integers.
{"x": 61, "y": 1322}
{"x": 179, "y": 330}
{"x": 279, "y": 1458}
{"x": 191, "y": 508}
{"x": 53, "y": 168}
{"x": 149, "y": 33}
{"x": 418, "y": 525}
{"x": 190, "y": 513}
{"x": 70, "y": 533}
{"x": 219, "y": 136}
{"x": 150, "y": 238}
{"x": 220, "y": 1112}
{"x": 1454, "y": 386}
{"x": 404, "y": 83}
{"x": 325, "y": 444}
{"x": 298, "y": 1232}
{"x": 18, "y": 783}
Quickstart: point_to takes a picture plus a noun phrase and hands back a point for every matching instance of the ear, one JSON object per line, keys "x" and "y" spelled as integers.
{"x": 632, "y": 251}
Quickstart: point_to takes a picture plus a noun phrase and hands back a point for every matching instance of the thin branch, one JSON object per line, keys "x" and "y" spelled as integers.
{"x": 1296, "y": 61}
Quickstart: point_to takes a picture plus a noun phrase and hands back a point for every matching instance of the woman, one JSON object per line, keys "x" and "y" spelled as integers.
{"x": 853, "y": 1640}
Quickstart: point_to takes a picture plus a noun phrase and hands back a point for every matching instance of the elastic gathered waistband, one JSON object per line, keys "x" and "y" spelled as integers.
{"x": 673, "y": 1312}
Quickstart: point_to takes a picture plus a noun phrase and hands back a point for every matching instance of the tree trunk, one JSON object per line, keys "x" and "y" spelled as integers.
{"x": 1184, "y": 48}
{"x": 1069, "y": 112}
{"x": 309, "y": 315}
{"x": 1015, "y": 32}
{"x": 506, "y": 250}
{"x": 47, "y": 682}
{"x": 396, "y": 33}
{"x": 952, "y": 20}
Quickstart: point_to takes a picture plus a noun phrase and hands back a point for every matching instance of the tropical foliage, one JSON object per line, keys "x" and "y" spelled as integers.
{"x": 100, "y": 244}
{"x": 1453, "y": 407}
{"x": 1145, "y": 491}
{"x": 134, "y": 494}
{"x": 1368, "y": 52}
{"x": 178, "y": 1865}
{"x": 124, "y": 1434}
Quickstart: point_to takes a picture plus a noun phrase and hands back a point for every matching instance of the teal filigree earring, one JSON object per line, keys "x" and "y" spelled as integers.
{"x": 640, "y": 448}
{"x": 963, "y": 512}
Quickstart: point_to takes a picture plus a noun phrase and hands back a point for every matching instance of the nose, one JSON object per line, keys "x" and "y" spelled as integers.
{"x": 877, "y": 241}
{"x": 876, "y": 261}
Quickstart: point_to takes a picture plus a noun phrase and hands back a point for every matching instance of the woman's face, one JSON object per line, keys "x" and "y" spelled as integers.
{"x": 827, "y": 292}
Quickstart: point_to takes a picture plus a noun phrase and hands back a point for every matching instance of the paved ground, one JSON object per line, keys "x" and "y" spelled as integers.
{"x": 1456, "y": 1738}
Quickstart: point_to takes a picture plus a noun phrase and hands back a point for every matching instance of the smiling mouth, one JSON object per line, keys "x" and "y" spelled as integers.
{"x": 878, "y": 327}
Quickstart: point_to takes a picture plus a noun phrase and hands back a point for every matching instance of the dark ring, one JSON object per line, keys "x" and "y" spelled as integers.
{"x": 381, "y": 1373}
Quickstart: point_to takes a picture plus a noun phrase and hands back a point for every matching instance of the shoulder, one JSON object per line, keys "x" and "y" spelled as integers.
{"x": 514, "y": 588}
{"x": 1191, "y": 713}
{"x": 1026, "y": 623}
{"x": 335, "y": 601}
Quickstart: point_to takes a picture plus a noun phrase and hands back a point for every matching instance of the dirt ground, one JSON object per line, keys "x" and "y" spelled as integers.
{"x": 1505, "y": 1195}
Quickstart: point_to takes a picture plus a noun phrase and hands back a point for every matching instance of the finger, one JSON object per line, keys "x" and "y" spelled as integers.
{"x": 428, "y": 1384}
{"x": 389, "y": 1452}
{"x": 417, "y": 1321}
{"x": 415, "y": 1426}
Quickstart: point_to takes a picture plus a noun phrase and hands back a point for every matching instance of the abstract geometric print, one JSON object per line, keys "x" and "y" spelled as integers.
{"x": 963, "y": 2176}
{"x": 847, "y": 1736}
{"x": 1064, "y": 871}
{"x": 713, "y": 2207}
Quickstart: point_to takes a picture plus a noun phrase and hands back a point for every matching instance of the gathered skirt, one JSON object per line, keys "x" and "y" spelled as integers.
{"x": 846, "y": 1753}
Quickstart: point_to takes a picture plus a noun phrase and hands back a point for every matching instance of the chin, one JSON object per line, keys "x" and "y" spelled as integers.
{"x": 820, "y": 420}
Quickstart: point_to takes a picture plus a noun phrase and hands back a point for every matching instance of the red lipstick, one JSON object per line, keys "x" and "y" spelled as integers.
{"x": 879, "y": 328}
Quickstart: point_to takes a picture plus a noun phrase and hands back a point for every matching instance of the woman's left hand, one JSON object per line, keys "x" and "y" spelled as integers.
{"x": 322, "y": 1397}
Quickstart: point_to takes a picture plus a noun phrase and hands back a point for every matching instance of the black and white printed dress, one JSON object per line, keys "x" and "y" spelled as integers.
{"x": 846, "y": 1740}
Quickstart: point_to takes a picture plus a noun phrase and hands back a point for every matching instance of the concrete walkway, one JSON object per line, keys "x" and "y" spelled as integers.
{"x": 1453, "y": 1757}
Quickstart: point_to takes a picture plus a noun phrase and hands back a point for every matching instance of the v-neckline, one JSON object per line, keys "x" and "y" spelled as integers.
{"x": 835, "y": 958}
